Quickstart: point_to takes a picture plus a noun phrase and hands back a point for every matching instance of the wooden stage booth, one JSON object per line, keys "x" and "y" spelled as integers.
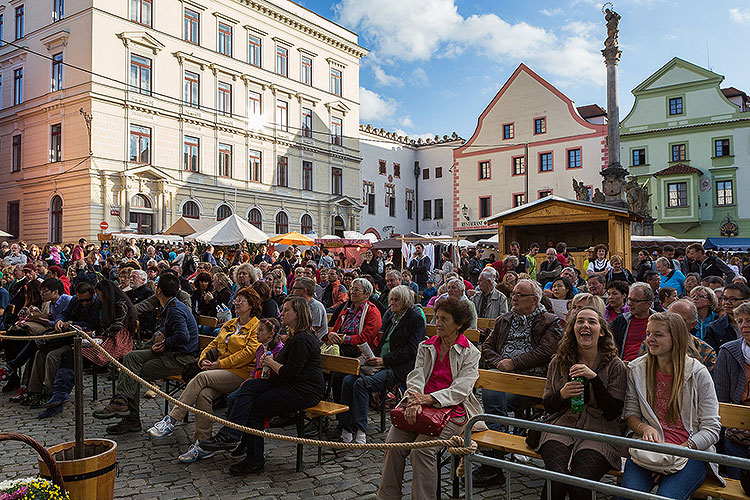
{"x": 580, "y": 224}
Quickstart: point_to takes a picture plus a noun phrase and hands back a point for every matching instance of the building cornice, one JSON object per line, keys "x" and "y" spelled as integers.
{"x": 405, "y": 139}
{"x": 12, "y": 58}
{"x": 56, "y": 40}
{"x": 182, "y": 57}
{"x": 744, "y": 121}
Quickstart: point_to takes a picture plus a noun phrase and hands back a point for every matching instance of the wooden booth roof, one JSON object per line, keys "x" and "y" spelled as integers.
{"x": 557, "y": 210}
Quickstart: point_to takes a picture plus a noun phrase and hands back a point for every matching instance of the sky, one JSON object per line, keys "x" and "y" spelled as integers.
{"x": 434, "y": 65}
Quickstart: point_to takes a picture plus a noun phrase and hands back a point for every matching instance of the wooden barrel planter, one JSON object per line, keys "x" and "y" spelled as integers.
{"x": 88, "y": 478}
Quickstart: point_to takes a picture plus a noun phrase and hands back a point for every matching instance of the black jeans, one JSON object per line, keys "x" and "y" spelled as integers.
{"x": 256, "y": 400}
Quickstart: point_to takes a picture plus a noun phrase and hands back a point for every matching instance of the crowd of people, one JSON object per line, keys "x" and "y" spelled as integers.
{"x": 648, "y": 351}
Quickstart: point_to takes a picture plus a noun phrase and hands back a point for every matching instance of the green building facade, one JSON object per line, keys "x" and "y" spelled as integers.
{"x": 688, "y": 140}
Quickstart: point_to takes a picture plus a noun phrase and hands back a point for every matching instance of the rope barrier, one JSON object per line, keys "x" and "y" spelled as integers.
{"x": 454, "y": 445}
{"x": 37, "y": 337}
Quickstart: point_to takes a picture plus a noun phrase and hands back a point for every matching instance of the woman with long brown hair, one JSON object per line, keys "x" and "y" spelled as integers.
{"x": 586, "y": 352}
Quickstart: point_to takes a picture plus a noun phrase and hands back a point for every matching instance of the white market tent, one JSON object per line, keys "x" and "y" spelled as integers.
{"x": 231, "y": 231}
{"x": 159, "y": 238}
{"x": 489, "y": 242}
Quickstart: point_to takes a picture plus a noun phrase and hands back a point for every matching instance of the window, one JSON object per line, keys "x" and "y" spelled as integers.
{"x": 392, "y": 206}
{"x": 14, "y": 216}
{"x": 519, "y": 199}
{"x": 438, "y": 209}
{"x": 484, "y": 170}
{"x": 55, "y": 143}
{"x": 225, "y": 160}
{"x": 282, "y": 61}
{"x": 306, "y": 224}
{"x": 140, "y": 11}
{"x": 438, "y": 172}
{"x": 57, "y": 72}
{"x": 190, "y": 150}
{"x": 191, "y": 26}
{"x": 17, "y": 86}
{"x": 1, "y": 30}
{"x": 307, "y": 118}
{"x": 254, "y": 50}
{"x": 140, "y": 201}
{"x": 574, "y": 158}
{"x": 721, "y": 147}
{"x": 140, "y": 74}
{"x": 508, "y": 131}
{"x": 485, "y": 207}
{"x": 679, "y": 152}
{"x": 223, "y": 212}
{"x": 306, "y": 70}
{"x": 544, "y": 193}
{"x": 518, "y": 165}
{"x": 426, "y": 209}
{"x": 15, "y": 165}
{"x": 381, "y": 167}
{"x": 390, "y": 199}
{"x": 425, "y": 173}
{"x": 140, "y": 144}
{"x": 677, "y": 192}
{"x": 410, "y": 203}
{"x": 255, "y": 218}
{"x": 307, "y": 175}
{"x": 282, "y": 171}
{"x": 225, "y": 99}
{"x": 545, "y": 162}
{"x": 19, "y": 22}
{"x": 282, "y": 223}
{"x": 397, "y": 170}
{"x": 141, "y": 220}
{"x": 336, "y": 81}
{"x": 639, "y": 157}
{"x": 191, "y": 82}
{"x": 282, "y": 115}
{"x": 190, "y": 210}
{"x": 337, "y": 181}
{"x": 540, "y": 126}
{"x": 58, "y": 10}
{"x": 225, "y": 39}
{"x": 337, "y": 131}
{"x": 724, "y": 193}
{"x": 675, "y": 106}
{"x": 371, "y": 203}
{"x": 255, "y": 165}
{"x": 55, "y": 219}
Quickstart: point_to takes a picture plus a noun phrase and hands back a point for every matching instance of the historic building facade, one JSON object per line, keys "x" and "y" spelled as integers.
{"x": 688, "y": 141}
{"x": 136, "y": 113}
{"x": 530, "y": 142}
{"x": 406, "y": 183}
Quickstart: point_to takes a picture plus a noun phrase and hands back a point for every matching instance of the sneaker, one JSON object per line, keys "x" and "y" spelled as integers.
{"x": 361, "y": 437}
{"x": 37, "y": 401}
{"x": 244, "y": 468}
{"x": 5, "y": 374}
{"x": 125, "y": 425}
{"x": 194, "y": 453}
{"x": 239, "y": 452}
{"x": 163, "y": 428}
{"x": 51, "y": 411}
{"x": 21, "y": 395}
{"x": 346, "y": 436}
{"x": 219, "y": 442}
{"x": 117, "y": 408}
{"x": 488, "y": 476}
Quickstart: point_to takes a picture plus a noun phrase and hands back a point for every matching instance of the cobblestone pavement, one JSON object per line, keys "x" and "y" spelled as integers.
{"x": 150, "y": 470}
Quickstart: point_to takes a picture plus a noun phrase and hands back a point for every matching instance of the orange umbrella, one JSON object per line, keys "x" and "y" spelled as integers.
{"x": 293, "y": 238}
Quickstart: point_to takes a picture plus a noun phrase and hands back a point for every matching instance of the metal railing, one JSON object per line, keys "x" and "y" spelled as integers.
{"x": 594, "y": 486}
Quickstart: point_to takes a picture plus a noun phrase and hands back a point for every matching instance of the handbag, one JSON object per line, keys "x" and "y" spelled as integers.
{"x": 738, "y": 436}
{"x": 655, "y": 461}
{"x": 430, "y": 422}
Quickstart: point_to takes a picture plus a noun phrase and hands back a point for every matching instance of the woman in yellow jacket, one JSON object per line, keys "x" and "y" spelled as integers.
{"x": 225, "y": 363}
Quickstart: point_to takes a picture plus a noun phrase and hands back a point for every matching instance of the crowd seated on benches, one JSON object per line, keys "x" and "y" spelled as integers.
{"x": 153, "y": 299}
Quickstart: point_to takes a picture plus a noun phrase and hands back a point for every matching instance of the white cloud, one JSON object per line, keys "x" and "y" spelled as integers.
{"x": 399, "y": 30}
{"x": 385, "y": 79}
{"x": 739, "y": 16}
{"x": 416, "y": 137}
{"x": 405, "y": 121}
{"x": 552, "y": 12}
{"x": 373, "y": 106}
{"x": 419, "y": 77}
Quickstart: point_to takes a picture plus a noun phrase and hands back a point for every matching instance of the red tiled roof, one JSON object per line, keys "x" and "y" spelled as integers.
{"x": 679, "y": 169}
{"x": 732, "y": 92}
{"x": 591, "y": 111}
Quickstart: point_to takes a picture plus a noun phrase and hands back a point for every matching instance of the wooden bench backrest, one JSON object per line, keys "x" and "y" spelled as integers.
{"x": 340, "y": 364}
{"x": 472, "y": 335}
{"x": 209, "y": 321}
{"x": 485, "y": 323}
{"x": 203, "y": 341}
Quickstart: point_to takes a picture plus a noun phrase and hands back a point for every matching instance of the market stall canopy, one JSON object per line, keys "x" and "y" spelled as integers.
{"x": 185, "y": 226}
{"x": 489, "y": 242}
{"x": 656, "y": 242}
{"x": 3, "y": 234}
{"x": 293, "y": 238}
{"x": 412, "y": 237}
{"x": 728, "y": 244}
{"x": 159, "y": 238}
{"x": 343, "y": 242}
{"x": 354, "y": 235}
{"x": 231, "y": 231}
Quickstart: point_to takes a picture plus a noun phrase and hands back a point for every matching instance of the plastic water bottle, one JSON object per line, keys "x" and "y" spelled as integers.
{"x": 266, "y": 371}
{"x": 576, "y": 402}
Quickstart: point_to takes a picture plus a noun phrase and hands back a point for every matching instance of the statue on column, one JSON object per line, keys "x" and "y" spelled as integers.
{"x": 637, "y": 197}
{"x": 581, "y": 191}
{"x": 613, "y": 21}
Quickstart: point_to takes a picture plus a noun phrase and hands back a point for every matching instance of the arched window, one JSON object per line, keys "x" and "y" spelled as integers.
{"x": 255, "y": 218}
{"x": 140, "y": 201}
{"x": 223, "y": 212}
{"x": 282, "y": 223}
{"x": 55, "y": 219}
{"x": 306, "y": 224}
{"x": 190, "y": 210}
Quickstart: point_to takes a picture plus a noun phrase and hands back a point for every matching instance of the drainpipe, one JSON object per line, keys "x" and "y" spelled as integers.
{"x": 526, "y": 169}
{"x": 417, "y": 171}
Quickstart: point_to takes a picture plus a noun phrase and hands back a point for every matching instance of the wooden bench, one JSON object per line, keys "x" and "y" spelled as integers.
{"x": 731, "y": 416}
{"x": 483, "y": 323}
{"x": 470, "y": 334}
{"x": 176, "y": 380}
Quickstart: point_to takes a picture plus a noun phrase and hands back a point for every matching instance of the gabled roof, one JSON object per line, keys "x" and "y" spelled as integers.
{"x": 591, "y": 111}
{"x": 733, "y": 92}
{"x": 676, "y": 62}
{"x": 548, "y": 199}
{"x": 679, "y": 169}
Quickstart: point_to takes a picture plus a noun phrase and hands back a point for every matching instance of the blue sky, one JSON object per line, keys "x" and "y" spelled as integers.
{"x": 434, "y": 65}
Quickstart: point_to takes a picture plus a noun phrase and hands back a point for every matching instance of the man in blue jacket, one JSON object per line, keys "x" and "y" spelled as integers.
{"x": 176, "y": 344}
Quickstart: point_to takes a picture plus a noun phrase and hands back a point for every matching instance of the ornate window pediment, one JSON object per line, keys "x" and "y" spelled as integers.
{"x": 337, "y": 106}
{"x": 56, "y": 40}
{"x": 142, "y": 39}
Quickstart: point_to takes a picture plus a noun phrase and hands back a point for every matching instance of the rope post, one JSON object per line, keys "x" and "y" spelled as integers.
{"x": 78, "y": 367}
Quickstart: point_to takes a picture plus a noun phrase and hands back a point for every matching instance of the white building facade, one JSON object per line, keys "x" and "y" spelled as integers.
{"x": 136, "y": 113}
